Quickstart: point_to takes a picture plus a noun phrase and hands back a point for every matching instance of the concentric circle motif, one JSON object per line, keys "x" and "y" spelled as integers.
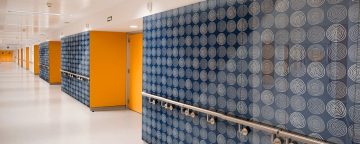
{"x": 267, "y": 67}
{"x": 354, "y": 133}
{"x": 267, "y": 21}
{"x": 221, "y": 102}
{"x": 282, "y": 5}
{"x": 336, "y": 109}
{"x": 281, "y": 20}
{"x": 267, "y": 6}
{"x": 242, "y": 52}
{"x": 267, "y": 97}
{"x": 242, "y": 66}
{"x": 316, "y": 124}
{"x": 231, "y": 91}
{"x": 242, "y": 38}
{"x": 297, "y": 19}
{"x": 231, "y": 65}
{"x": 315, "y": 3}
{"x": 316, "y": 70}
{"x": 231, "y": 26}
{"x": 282, "y": 37}
{"x": 254, "y": 81}
{"x": 254, "y": 8}
{"x": 231, "y": 12}
{"x": 212, "y": 15}
{"x": 315, "y": 16}
{"x": 231, "y": 39}
{"x": 254, "y": 52}
{"x": 268, "y": 82}
{"x": 231, "y": 105}
{"x": 336, "y": 33}
{"x": 254, "y": 66}
{"x": 267, "y": 112}
{"x": 281, "y": 116}
{"x": 297, "y": 86}
{"x": 297, "y": 35}
{"x": 254, "y": 23}
{"x": 297, "y": 52}
{"x": 354, "y": 15}
{"x": 254, "y": 110}
{"x": 281, "y": 52}
{"x": 316, "y": 34}
{"x": 337, "y": 127}
{"x": 268, "y": 51}
{"x": 221, "y": 52}
{"x": 337, "y": 89}
{"x": 354, "y": 72}
{"x": 297, "y": 4}
{"x": 354, "y": 93}
{"x": 282, "y": 101}
{"x": 297, "y": 120}
{"x": 354, "y": 33}
{"x": 221, "y": 26}
{"x": 354, "y": 113}
{"x": 281, "y": 84}
{"x": 242, "y": 80}
{"x": 242, "y": 93}
{"x": 354, "y": 53}
{"x": 315, "y": 87}
{"x": 221, "y": 39}
{"x": 298, "y": 69}
{"x": 220, "y": 13}
{"x": 316, "y": 52}
{"x": 254, "y": 38}
{"x": 281, "y": 68}
{"x": 242, "y": 107}
{"x": 297, "y": 103}
{"x": 337, "y": 13}
{"x": 316, "y": 106}
{"x": 336, "y": 70}
{"x": 337, "y": 51}
{"x": 242, "y": 24}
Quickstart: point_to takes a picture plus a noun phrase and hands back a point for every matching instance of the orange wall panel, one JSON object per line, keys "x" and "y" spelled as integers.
{"x": 107, "y": 69}
{"x": 135, "y": 76}
{"x": 27, "y": 58}
{"x": 6, "y": 56}
{"x": 36, "y": 60}
{"x": 54, "y": 62}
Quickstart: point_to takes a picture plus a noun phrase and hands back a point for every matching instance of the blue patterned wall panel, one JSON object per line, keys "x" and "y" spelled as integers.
{"x": 293, "y": 64}
{"x": 75, "y": 58}
{"x": 44, "y": 61}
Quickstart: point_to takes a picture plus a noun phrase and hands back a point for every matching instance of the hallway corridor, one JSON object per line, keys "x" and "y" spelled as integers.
{"x": 33, "y": 112}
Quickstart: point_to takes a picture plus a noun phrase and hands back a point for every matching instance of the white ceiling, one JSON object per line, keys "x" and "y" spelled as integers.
{"x": 26, "y": 22}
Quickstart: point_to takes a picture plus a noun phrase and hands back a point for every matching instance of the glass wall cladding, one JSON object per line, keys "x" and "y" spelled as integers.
{"x": 44, "y": 60}
{"x": 44, "y": 73}
{"x": 75, "y": 58}
{"x": 75, "y": 53}
{"x": 292, "y": 64}
{"x": 78, "y": 89}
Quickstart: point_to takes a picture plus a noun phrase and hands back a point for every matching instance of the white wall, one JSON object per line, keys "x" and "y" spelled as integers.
{"x": 31, "y": 58}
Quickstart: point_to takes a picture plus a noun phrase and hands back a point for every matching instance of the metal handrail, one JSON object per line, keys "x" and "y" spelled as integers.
{"x": 44, "y": 66}
{"x": 77, "y": 75}
{"x": 262, "y": 127}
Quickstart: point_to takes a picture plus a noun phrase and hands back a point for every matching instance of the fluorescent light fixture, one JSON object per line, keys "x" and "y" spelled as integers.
{"x": 133, "y": 26}
{"x": 29, "y": 12}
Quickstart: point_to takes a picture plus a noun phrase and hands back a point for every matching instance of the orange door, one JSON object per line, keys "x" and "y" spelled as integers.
{"x": 135, "y": 73}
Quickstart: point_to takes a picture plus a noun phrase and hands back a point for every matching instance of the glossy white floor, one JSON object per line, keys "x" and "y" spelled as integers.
{"x": 32, "y": 112}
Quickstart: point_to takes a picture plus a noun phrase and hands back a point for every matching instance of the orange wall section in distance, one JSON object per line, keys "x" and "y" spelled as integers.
{"x": 27, "y": 58}
{"x": 6, "y": 56}
{"x": 107, "y": 69}
{"x": 36, "y": 60}
{"x": 135, "y": 74}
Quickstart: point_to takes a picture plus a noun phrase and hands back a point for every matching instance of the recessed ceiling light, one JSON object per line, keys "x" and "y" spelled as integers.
{"x": 66, "y": 22}
{"x": 133, "y": 26}
{"x": 30, "y": 12}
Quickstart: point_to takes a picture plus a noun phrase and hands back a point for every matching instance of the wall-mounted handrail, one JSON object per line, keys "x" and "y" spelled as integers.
{"x": 262, "y": 127}
{"x": 77, "y": 75}
{"x": 44, "y": 66}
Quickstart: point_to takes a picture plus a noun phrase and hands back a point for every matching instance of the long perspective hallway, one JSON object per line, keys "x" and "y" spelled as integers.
{"x": 33, "y": 112}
